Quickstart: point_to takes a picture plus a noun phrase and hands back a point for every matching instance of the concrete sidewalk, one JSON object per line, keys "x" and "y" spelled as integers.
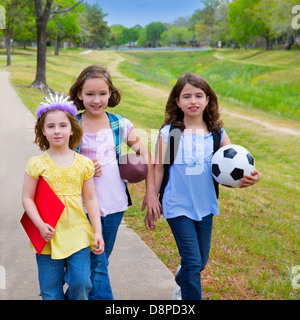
{"x": 135, "y": 272}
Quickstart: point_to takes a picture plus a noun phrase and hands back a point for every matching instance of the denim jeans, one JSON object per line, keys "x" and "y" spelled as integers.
{"x": 52, "y": 276}
{"x": 193, "y": 242}
{"x": 110, "y": 226}
{"x": 101, "y": 289}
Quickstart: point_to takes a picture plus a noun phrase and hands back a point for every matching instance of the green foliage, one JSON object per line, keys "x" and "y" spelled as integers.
{"x": 94, "y": 26}
{"x": 65, "y": 25}
{"x": 271, "y": 88}
{"x": 154, "y": 31}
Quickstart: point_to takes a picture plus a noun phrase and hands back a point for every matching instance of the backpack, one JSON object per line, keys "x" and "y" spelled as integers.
{"x": 172, "y": 148}
{"x": 117, "y": 126}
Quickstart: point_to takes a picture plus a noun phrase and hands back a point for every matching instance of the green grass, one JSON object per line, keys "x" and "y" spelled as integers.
{"x": 273, "y": 87}
{"x": 255, "y": 239}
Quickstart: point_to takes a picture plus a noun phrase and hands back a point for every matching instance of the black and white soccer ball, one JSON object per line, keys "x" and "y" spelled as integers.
{"x": 230, "y": 163}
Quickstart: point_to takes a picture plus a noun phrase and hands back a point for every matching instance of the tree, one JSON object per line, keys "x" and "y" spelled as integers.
{"x": 278, "y": 19}
{"x": 25, "y": 29}
{"x": 203, "y": 21}
{"x": 92, "y": 22}
{"x": 42, "y": 17}
{"x": 115, "y": 33}
{"x": 64, "y": 26}
{"x": 142, "y": 39}
{"x": 249, "y": 18}
{"x": 262, "y": 12}
{"x": 129, "y": 35}
{"x": 177, "y": 36}
{"x": 154, "y": 31}
{"x": 221, "y": 28}
{"x": 15, "y": 13}
{"x": 242, "y": 24}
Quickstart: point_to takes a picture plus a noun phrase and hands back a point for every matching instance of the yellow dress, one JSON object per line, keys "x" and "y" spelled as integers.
{"x": 73, "y": 231}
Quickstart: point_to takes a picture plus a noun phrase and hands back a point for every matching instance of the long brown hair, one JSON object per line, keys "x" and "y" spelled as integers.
{"x": 211, "y": 114}
{"x": 92, "y": 72}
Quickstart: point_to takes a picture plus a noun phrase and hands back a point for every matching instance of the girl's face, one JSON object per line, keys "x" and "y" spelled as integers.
{"x": 192, "y": 100}
{"x": 57, "y": 129}
{"x": 94, "y": 95}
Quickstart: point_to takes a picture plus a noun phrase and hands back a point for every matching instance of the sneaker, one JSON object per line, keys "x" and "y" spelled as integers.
{"x": 176, "y": 293}
{"x": 177, "y": 290}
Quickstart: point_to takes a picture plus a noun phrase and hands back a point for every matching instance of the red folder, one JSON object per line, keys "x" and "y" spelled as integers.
{"x": 50, "y": 209}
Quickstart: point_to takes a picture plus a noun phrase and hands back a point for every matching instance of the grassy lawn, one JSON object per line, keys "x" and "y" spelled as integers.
{"x": 273, "y": 87}
{"x": 255, "y": 239}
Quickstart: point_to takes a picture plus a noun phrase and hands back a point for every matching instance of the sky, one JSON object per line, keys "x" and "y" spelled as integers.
{"x": 132, "y": 12}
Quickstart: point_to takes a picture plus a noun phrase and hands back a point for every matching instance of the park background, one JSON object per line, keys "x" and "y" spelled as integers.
{"x": 249, "y": 53}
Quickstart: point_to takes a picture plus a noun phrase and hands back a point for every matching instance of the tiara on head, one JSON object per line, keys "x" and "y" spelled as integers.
{"x": 56, "y": 102}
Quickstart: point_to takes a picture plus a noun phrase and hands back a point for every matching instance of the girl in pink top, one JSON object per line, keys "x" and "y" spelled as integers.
{"x": 93, "y": 92}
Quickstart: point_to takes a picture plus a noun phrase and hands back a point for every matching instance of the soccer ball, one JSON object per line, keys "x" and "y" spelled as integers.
{"x": 230, "y": 163}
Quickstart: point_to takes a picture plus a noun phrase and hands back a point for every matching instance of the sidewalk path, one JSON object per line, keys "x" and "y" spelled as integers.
{"x": 136, "y": 273}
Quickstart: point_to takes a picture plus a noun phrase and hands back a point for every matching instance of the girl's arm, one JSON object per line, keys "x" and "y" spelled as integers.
{"x": 150, "y": 199}
{"x": 92, "y": 206}
{"x": 29, "y": 188}
{"x": 150, "y": 219}
{"x": 247, "y": 180}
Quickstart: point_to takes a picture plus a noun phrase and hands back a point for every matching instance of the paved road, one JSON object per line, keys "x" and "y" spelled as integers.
{"x": 136, "y": 273}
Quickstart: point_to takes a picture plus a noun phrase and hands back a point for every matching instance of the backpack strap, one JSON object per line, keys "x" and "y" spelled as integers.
{"x": 172, "y": 148}
{"x": 117, "y": 126}
{"x": 79, "y": 118}
{"x": 217, "y": 141}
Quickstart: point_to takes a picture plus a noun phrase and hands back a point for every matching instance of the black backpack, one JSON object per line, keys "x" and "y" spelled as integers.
{"x": 173, "y": 144}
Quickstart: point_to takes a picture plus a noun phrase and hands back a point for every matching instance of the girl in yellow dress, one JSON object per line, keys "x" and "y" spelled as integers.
{"x": 68, "y": 174}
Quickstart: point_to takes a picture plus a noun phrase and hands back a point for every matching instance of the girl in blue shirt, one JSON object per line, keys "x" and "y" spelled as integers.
{"x": 189, "y": 201}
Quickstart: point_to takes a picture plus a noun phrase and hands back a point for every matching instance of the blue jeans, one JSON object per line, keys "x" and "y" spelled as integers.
{"x": 101, "y": 285}
{"x": 110, "y": 226}
{"x": 193, "y": 242}
{"x": 52, "y": 276}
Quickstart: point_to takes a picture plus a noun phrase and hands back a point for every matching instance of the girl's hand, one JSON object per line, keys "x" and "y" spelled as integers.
{"x": 47, "y": 232}
{"x": 154, "y": 210}
{"x": 98, "y": 244}
{"x": 150, "y": 221}
{"x": 98, "y": 170}
{"x": 248, "y": 180}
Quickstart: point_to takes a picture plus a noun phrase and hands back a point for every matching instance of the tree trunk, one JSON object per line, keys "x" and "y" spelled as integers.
{"x": 42, "y": 18}
{"x": 8, "y": 50}
{"x": 41, "y": 25}
{"x": 56, "y": 46}
{"x": 268, "y": 43}
{"x": 289, "y": 42}
{"x": 40, "y": 77}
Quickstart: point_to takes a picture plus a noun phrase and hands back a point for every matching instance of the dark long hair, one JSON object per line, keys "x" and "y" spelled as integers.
{"x": 211, "y": 114}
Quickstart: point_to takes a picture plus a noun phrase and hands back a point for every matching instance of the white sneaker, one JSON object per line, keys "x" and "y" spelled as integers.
{"x": 177, "y": 290}
{"x": 176, "y": 293}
